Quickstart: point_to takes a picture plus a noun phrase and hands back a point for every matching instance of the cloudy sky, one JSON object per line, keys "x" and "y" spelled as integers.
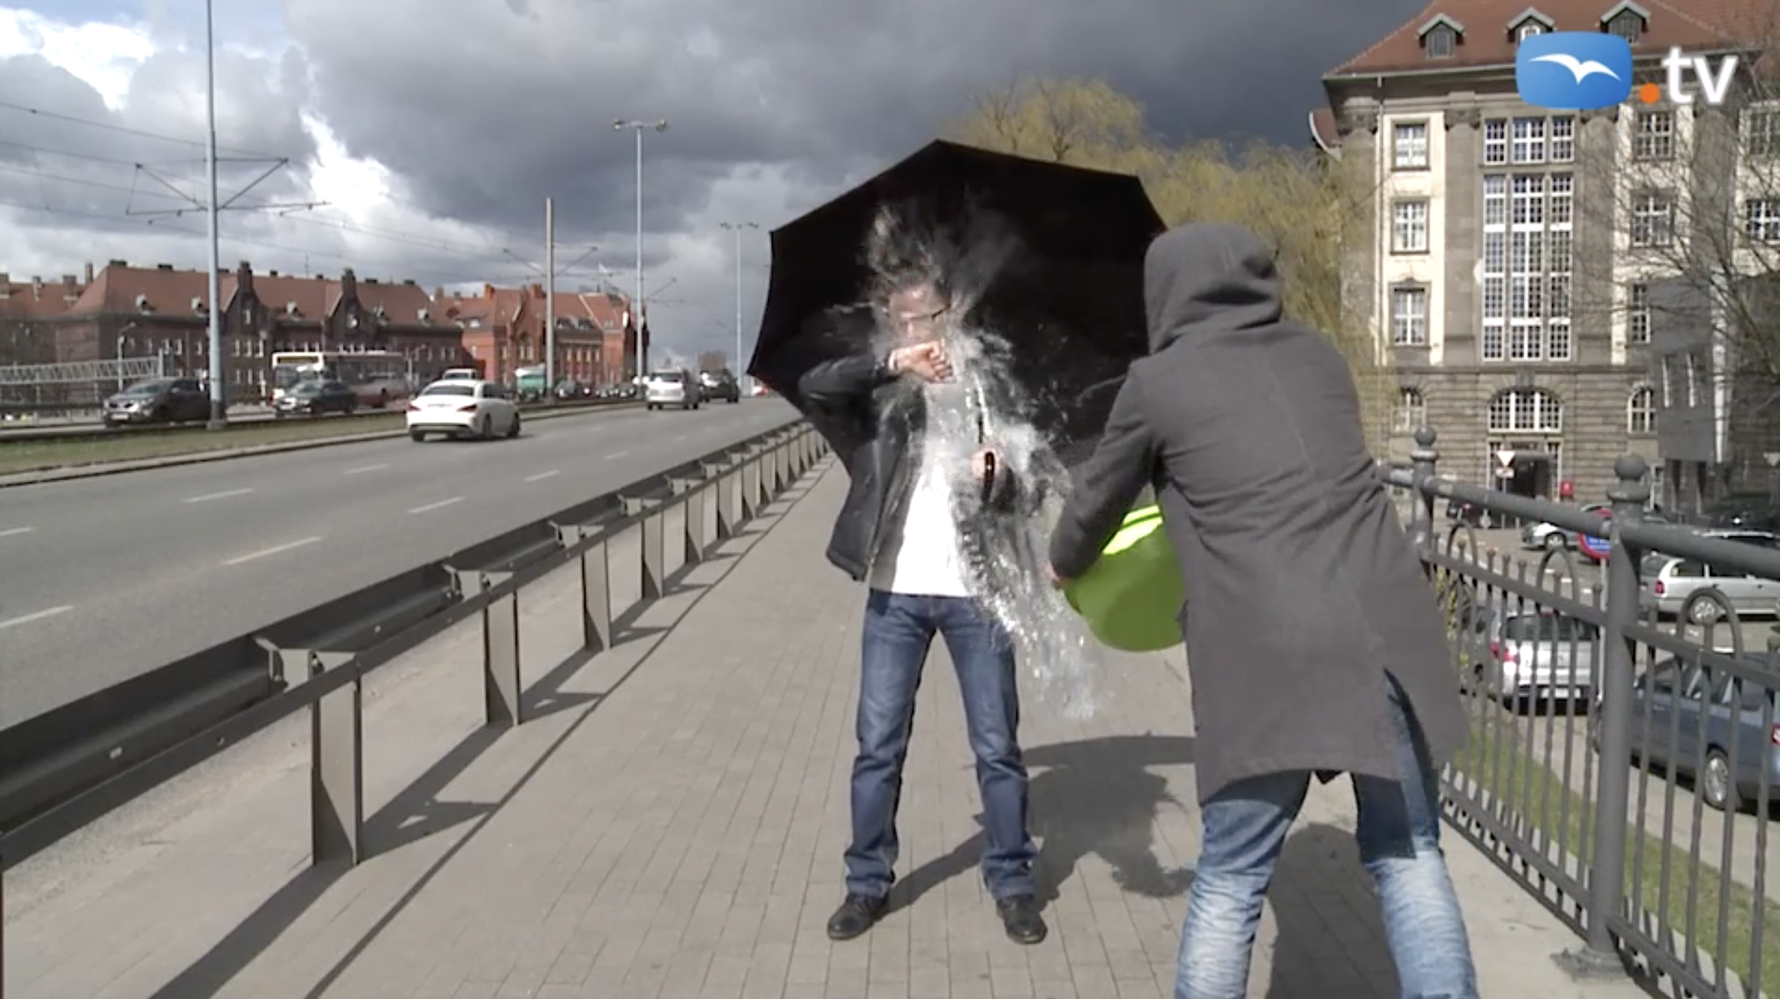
{"x": 422, "y": 136}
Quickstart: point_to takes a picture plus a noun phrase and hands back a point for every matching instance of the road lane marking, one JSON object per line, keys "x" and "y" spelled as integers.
{"x": 437, "y": 506}
{"x": 541, "y": 476}
{"x": 615, "y": 455}
{"x": 367, "y": 468}
{"x": 274, "y": 550}
{"x": 38, "y": 616}
{"x": 11, "y": 531}
{"x": 216, "y": 496}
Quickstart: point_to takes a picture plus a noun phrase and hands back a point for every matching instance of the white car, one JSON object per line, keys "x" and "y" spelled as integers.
{"x": 460, "y": 407}
{"x": 675, "y": 387}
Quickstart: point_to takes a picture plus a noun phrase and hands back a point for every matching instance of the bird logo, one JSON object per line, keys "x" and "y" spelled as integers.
{"x": 1579, "y": 68}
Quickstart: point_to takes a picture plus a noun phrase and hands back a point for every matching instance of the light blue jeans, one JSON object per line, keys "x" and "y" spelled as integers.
{"x": 1399, "y": 838}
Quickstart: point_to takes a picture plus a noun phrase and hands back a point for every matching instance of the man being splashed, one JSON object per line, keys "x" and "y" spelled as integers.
{"x": 1313, "y": 639}
{"x": 898, "y": 533}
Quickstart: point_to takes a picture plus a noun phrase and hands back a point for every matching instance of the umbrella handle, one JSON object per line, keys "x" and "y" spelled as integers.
{"x": 988, "y": 475}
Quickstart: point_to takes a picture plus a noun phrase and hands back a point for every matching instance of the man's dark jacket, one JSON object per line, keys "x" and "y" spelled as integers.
{"x": 883, "y": 414}
{"x": 1303, "y": 591}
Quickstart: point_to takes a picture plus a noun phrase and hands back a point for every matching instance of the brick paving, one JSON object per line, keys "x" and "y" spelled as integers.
{"x": 669, "y": 826}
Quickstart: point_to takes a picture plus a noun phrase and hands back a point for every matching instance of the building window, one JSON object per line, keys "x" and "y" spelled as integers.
{"x": 1761, "y": 219}
{"x": 1653, "y": 135}
{"x": 1761, "y": 132}
{"x": 1563, "y": 139}
{"x": 1440, "y": 42}
{"x": 1526, "y": 411}
{"x": 1528, "y": 145}
{"x": 1528, "y": 30}
{"x": 1527, "y": 265}
{"x": 1626, "y": 25}
{"x": 1495, "y": 141}
{"x": 1640, "y": 412}
{"x": 1409, "y": 226}
{"x": 1409, "y": 316}
{"x": 1696, "y": 380}
{"x": 1637, "y": 313}
{"x": 1412, "y": 410}
{"x": 1653, "y": 219}
{"x": 1409, "y": 146}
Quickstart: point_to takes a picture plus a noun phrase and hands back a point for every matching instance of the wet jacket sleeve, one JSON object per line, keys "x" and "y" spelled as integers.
{"x": 1105, "y": 487}
{"x": 845, "y": 385}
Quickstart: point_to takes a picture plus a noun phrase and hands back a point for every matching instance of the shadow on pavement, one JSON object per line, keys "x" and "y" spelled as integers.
{"x": 1331, "y": 933}
{"x": 1095, "y": 796}
{"x": 416, "y": 812}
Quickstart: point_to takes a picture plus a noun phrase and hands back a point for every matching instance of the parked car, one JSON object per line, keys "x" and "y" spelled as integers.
{"x": 569, "y": 389}
{"x": 316, "y": 399}
{"x": 672, "y": 388}
{"x": 720, "y": 385}
{"x": 1668, "y": 581}
{"x": 1687, "y": 719}
{"x": 1519, "y": 656}
{"x": 1543, "y": 535}
{"x": 158, "y": 400}
{"x": 1746, "y": 511}
{"x": 459, "y": 407}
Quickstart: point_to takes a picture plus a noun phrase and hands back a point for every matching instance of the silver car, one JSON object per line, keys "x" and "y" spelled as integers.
{"x": 675, "y": 388}
{"x": 1521, "y": 655}
{"x": 1668, "y": 581}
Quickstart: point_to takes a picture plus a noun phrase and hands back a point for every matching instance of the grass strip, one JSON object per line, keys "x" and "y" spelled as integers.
{"x": 1500, "y": 764}
{"x": 54, "y": 452}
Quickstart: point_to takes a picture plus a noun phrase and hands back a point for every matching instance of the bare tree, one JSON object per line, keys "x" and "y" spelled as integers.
{"x": 1308, "y": 206}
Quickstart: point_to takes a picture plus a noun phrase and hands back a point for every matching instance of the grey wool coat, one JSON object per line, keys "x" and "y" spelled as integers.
{"x": 1303, "y": 592}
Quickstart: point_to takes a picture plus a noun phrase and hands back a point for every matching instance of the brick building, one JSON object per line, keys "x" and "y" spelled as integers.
{"x": 1508, "y": 271}
{"x": 503, "y": 329}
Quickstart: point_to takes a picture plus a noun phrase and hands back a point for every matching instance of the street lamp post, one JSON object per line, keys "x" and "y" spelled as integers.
{"x": 219, "y": 407}
{"x": 736, "y": 228}
{"x": 639, "y": 308}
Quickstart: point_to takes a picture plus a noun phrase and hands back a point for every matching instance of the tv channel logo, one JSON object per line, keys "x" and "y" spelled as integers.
{"x": 1573, "y": 70}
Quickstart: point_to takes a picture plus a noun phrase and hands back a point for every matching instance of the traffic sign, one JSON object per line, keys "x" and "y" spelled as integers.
{"x": 1505, "y": 457}
{"x": 1773, "y": 458}
{"x": 1596, "y": 548}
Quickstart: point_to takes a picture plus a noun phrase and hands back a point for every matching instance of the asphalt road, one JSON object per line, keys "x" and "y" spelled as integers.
{"x": 103, "y": 579}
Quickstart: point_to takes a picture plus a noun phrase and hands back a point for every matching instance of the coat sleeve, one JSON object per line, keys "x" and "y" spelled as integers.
{"x": 1106, "y": 486}
{"x": 846, "y": 384}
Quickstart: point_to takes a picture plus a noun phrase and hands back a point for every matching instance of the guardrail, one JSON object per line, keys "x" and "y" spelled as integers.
{"x": 67, "y": 768}
{"x": 251, "y": 421}
{"x": 1592, "y": 718}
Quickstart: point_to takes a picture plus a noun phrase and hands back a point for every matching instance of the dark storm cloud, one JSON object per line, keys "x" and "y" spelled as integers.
{"x": 485, "y": 107}
{"x": 64, "y": 150}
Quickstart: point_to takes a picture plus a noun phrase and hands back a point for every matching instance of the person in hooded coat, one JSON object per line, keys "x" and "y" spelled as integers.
{"x": 1313, "y": 640}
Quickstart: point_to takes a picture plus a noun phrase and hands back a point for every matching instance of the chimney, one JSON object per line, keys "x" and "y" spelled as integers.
{"x": 163, "y": 267}
{"x": 244, "y": 279}
{"x": 408, "y": 282}
{"x": 488, "y": 291}
{"x": 348, "y": 284}
{"x": 118, "y": 263}
{"x": 537, "y": 291}
{"x": 438, "y": 292}
{"x": 70, "y": 281}
{"x": 88, "y": 273}
{"x": 271, "y": 273}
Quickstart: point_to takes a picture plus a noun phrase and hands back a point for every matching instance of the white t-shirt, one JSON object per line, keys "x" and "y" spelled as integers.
{"x": 921, "y": 556}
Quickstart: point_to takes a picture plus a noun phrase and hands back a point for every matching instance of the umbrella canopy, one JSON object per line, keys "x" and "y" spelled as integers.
{"x": 1065, "y": 291}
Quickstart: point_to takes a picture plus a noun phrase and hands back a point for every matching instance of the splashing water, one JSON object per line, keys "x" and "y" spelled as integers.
{"x": 1007, "y": 556}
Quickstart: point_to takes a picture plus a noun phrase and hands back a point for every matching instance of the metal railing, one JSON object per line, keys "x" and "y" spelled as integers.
{"x": 66, "y": 769}
{"x": 1624, "y": 741}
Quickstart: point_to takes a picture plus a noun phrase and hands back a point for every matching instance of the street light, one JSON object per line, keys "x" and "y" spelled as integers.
{"x": 219, "y": 407}
{"x": 737, "y": 227}
{"x": 642, "y": 304}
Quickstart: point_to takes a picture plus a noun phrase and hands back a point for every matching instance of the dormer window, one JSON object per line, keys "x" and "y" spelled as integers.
{"x": 1627, "y": 20}
{"x": 1528, "y": 23}
{"x": 1440, "y": 36}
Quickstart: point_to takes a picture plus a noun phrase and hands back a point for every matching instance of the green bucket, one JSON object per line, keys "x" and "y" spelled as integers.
{"x": 1131, "y": 597}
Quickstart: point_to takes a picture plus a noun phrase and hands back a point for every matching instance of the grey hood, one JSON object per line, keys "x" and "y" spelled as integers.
{"x": 1208, "y": 276}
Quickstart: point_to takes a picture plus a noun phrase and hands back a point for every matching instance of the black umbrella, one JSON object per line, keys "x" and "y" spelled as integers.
{"x": 1063, "y": 282}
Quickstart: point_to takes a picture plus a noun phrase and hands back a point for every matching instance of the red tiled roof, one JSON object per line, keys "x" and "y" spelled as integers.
{"x": 1487, "y": 38}
{"x": 37, "y": 299}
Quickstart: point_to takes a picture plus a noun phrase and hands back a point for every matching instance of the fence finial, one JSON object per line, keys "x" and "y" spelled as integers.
{"x": 1424, "y": 452}
{"x": 1633, "y": 486}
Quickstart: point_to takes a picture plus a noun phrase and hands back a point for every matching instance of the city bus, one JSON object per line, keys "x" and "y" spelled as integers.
{"x": 378, "y": 377}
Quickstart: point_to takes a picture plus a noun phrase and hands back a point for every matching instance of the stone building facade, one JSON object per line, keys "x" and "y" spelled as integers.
{"x": 1502, "y": 274}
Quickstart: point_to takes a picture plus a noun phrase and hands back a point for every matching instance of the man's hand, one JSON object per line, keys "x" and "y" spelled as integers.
{"x": 926, "y": 361}
{"x": 1057, "y": 581}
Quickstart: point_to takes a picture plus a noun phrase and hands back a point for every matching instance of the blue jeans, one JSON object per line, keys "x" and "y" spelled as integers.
{"x": 1399, "y": 838}
{"x": 899, "y": 629}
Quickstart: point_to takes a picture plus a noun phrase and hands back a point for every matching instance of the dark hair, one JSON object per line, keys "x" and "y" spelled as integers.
{"x": 903, "y": 254}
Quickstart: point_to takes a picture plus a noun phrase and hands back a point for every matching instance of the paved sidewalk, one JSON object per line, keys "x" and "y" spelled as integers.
{"x": 671, "y": 824}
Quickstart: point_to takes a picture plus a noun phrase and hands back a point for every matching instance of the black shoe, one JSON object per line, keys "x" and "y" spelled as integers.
{"x": 856, "y": 915}
{"x": 1021, "y": 919}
